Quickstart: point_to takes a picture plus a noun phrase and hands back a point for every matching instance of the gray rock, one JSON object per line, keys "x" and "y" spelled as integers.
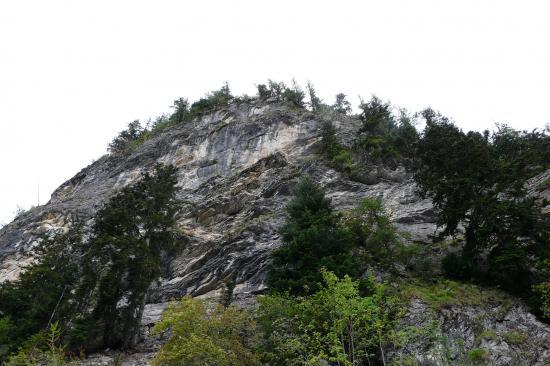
{"x": 236, "y": 169}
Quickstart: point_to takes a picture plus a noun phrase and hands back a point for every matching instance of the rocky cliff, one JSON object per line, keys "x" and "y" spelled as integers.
{"x": 237, "y": 167}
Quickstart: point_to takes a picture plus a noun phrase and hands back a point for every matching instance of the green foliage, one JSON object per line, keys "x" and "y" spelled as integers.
{"x": 215, "y": 99}
{"x": 312, "y": 239}
{"x": 330, "y": 147}
{"x": 341, "y": 105}
{"x": 221, "y": 337}
{"x": 338, "y": 157}
{"x": 276, "y": 89}
{"x": 227, "y": 292}
{"x": 128, "y": 138}
{"x": 181, "y": 110}
{"x": 385, "y": 138}
{"x": 263, "y": 91}
{"x": 376, "y": 116}
{"x": 442, "y": 293}
{"x": 124, "y": 256}
{"x": 95, "y": 289}
{"x": 478, "y": 180}
{"x": 294, "y": 95}
{"x": 541, "y": 292}
{"x": 42, "y": 349}
{"x": 371, "y": 229}
{"x": 336, "y": 324}
{"x": 516, "y": 337}
{"x": 43, "y": 293}
{"x": 281, "y": 92}
{"x": 478, "y": 356}
{"x": 315, "y": 102}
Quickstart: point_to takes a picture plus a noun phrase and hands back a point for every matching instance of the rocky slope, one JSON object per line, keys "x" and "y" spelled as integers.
{"x": 237, "y": 167}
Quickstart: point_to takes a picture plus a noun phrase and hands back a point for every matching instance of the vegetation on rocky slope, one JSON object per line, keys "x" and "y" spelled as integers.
{"x": 326, "y": 302}
{"x": 93, "y": 284}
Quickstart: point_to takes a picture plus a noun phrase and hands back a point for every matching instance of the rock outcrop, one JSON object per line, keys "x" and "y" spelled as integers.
{"x": 236, "y": 168}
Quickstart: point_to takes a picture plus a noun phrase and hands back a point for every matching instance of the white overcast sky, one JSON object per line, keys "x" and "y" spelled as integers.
{"x": 73, "y": 73}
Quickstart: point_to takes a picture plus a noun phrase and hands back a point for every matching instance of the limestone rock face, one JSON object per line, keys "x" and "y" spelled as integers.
{"x": 237, "y": 168}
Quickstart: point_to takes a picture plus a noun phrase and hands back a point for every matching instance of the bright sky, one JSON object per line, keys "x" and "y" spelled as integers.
{"x": 73, "y": 73}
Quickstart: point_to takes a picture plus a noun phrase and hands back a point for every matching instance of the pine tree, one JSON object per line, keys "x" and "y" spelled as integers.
{"x": 129, "y": 236}
{"x": 312, "y": 239}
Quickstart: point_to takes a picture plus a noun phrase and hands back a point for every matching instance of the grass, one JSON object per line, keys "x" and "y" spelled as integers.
{"x": 516, "y": 337}
{"x": 444, "y": 293}
{"x": 478, "y": 356}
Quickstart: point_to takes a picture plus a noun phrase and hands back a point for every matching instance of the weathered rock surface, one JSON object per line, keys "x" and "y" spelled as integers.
{"x": 237, "y": 167}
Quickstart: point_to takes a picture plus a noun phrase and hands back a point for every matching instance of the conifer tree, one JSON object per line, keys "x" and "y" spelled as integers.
{"x": 312, "y": 240}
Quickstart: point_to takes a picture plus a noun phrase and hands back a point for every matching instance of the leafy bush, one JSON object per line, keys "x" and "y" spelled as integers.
{"x": 198, "y": 337}
{"x": 336, "y": 324}
{"x": 312, "y": 239}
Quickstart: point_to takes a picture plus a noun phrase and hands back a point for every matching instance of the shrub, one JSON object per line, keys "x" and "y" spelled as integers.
{"x": 43, "y": 348}
{"x": 198, "y": 338}
{"x": 336, "y": 324}
{"x": 478, "y": 355}
{"x": 215, "y": 99}
{"x": 516, "y": 337}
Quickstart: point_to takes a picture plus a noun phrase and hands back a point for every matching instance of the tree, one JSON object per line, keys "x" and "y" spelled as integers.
{"x": 478, "y": 181}
{"x": 314, "y": 101}
{"x": 337, "y": 324}
{"x": 276, "y": 89}
{"x": 294, "y": 95}
{"x": 44, "y": 292}
{"x": 129, "y": 236}
{"x": 312, "y": 239}
{"x": 198, "y": 337}
{"x": 133, "y": 133}
{"x": 263, "y": 92}
{"x": 181, "y": 111}
{"x": 341, "y": 105}
{"x": 371, "y": 229}
{"x": 215, "y": 99}
{"x": 376, "y": 116}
